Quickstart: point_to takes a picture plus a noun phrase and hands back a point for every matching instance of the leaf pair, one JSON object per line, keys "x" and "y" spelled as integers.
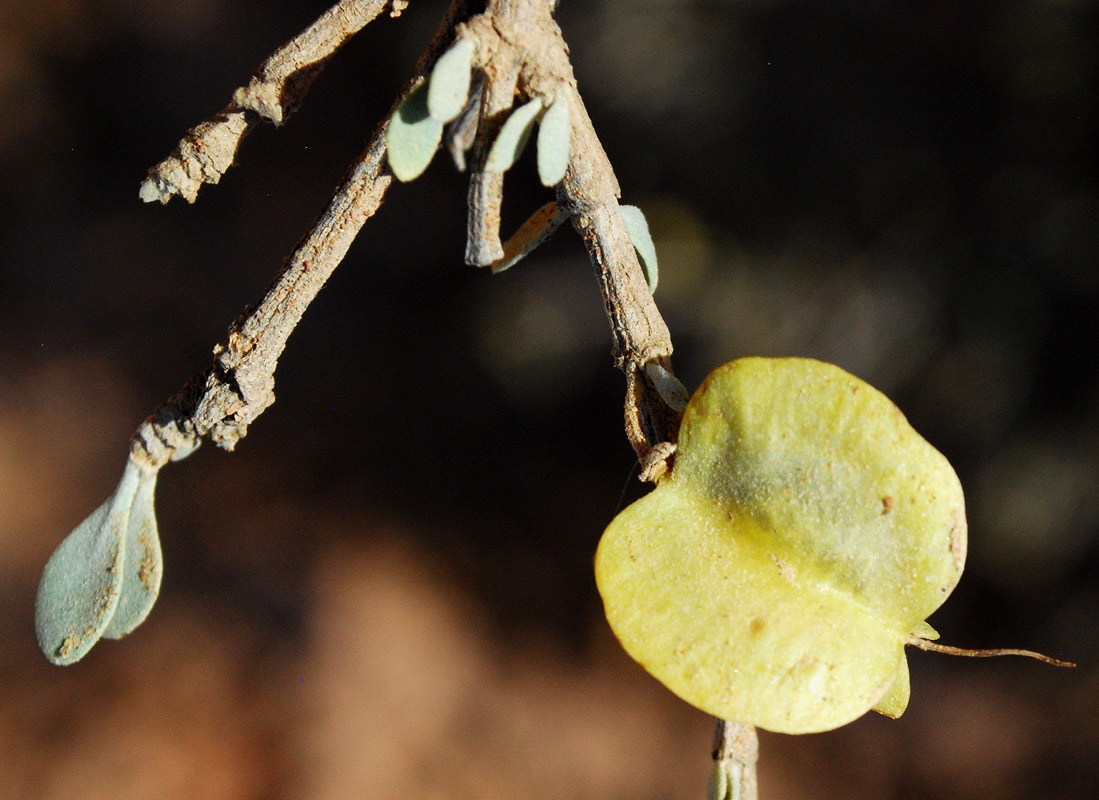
{"x": 416, "y": 128}
{"x": 554, "y": 134}
{"x": 774, "y": 576}
{"x": 105, "y": 576}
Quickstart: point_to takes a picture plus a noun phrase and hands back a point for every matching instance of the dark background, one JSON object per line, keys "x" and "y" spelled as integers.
{"x": 387, "y": 589}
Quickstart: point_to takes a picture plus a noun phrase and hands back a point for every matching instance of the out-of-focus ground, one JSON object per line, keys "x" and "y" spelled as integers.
{"x": 386, "y": 591}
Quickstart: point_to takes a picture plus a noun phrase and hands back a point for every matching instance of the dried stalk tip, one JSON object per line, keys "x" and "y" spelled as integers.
{"x": 203, "y": 156}
{"x": 533, "y": 232}
{"x": 924, "y": 644}
{"x": 462, "y": 131}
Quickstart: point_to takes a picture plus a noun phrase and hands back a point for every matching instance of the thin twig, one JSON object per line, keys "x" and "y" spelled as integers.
{"x": 220, "y": 403}
{"x": 538, "y": 227}
{"x": 486, "y": 188}
{"x": 522, "y": 34}
{"x": 275, "y": 91}
{"x": 935, "y": 647}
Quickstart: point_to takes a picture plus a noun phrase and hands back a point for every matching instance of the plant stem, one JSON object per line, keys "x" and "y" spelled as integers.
{"x": 276, "y": 89}
{"x": 220, "y": 403}
{"x": 736, "y": 749}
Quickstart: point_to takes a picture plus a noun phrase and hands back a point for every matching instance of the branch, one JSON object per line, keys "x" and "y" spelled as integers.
{"x": 520, "y": 52}
{"x": 520, "y": 48}
{"x": 736, "y": 748}
{"x": 275, "y": 91}
{"x": 220, "y": 403}
{"x": 524, "y": 35}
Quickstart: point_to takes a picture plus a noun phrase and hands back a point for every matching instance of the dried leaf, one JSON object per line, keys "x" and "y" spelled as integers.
{"x": 513, "y": 137}
{"x": 413, "y": 136}
{"x": 638, "y": 229}
{"x": 554, "y": 135}
{"x": 82, "y": 581}
{"x": 461, "y": 132}
{"x": 805, "y": 532}
{"x": 539, "y": 227}
{"x": 448, "y": 88}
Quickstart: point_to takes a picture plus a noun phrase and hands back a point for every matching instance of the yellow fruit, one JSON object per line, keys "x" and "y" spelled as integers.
{"x": 805, "y": 532}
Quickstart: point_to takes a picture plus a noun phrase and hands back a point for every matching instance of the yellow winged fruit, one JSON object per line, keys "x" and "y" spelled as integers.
{"x": 776, "y": 573}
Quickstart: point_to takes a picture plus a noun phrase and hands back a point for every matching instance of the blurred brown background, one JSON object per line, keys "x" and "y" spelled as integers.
{"x": 386, "y": 591}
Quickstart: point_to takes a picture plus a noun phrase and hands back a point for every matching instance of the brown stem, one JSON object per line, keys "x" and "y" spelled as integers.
{"x": 934, "y": 647}
{"x": 736, "y": 750}
{"x": 239, "y": 386}
{"x": 276, "y": 89}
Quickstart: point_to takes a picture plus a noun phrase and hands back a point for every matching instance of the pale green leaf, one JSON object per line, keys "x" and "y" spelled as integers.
{"x": 638, "y": 229}
{"x": 413, "y": 136}
{"x": 448, "y": 87}
{"x": 142, "y": 565}
{"x": 513, "y": 137}
{"x": 82, "y": 581}
{"x": 718, "y": 786}
{"x": 667, "y": 386}
{"x": 554, "y": 135}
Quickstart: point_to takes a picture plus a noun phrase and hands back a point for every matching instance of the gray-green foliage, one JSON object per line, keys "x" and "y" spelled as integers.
{"x": 142, "y": 566}
{"x": 554, "y": 135}
{"x": 104, "y": 577}
{"x": 513, "y": 137}
{"x": 448, "y": 88}
{"x": 638, "y": 229}
{"x": 719, "y": 784}
{"x": 413, "y": 136}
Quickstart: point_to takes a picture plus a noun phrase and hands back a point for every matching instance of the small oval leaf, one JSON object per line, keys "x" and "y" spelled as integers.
{"x": 449, "y": 84}
{"x": 554, "y": 136}
{"x": 82, "y": 581}
{"x": 143, "y": 564}
{"x": 718, "y": 787}
{"x": 513, "y": 137}
{"x": 413, "y": 136}
{"x": 638, "y": 229}
{"x": 667, "y": 386}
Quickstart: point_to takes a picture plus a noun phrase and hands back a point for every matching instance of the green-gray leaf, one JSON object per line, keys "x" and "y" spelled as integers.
{"x": 513, "y": 137}
{"x": 142, "y": 565}
{"x": 718, "y": 787}
{"x": 554, "y": 133}
{"x": 82, "y": 581}
{"x": 449, "y": 84}
{"x": 413, "y": 136}
{"x": 638, "y": 229}
{"x": 668, "y": 386}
